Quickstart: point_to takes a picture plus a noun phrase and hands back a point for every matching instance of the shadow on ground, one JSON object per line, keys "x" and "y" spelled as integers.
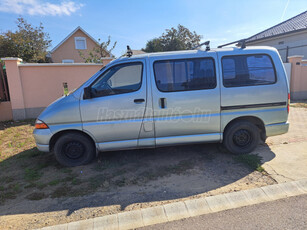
{"x": 32, "y": 182}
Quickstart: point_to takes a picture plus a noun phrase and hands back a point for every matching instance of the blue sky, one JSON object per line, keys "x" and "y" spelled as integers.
{"x": 134, "y": 22}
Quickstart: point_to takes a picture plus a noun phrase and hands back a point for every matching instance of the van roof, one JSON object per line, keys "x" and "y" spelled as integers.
{"x": 172, "y": 53}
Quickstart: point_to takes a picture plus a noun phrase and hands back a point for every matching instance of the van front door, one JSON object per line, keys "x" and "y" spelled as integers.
{"x": 114, "y": 113}
{"x": 186, "y": 100}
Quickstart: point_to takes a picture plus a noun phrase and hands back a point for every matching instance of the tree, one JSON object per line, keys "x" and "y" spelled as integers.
{"x": 28, "y": 42}
{"x": 100, "y": 51}
{"x": 174, "y": 39}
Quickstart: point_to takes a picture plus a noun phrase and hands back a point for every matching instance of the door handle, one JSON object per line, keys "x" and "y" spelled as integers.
{"x": 162, "y": 103}
{"x": 140, "y": 100}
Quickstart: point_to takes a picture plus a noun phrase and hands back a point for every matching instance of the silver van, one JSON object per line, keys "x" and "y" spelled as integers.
{"x": 235, "y": 96}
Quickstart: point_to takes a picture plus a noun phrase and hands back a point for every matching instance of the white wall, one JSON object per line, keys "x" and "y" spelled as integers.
{"x": 288, "y": 71}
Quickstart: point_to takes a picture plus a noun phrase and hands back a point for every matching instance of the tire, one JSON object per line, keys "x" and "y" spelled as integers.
{"x": 241, "y": 137}
{"x": 74, "y": 149}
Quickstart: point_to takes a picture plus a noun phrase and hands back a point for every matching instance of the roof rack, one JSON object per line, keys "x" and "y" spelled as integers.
{"x": 204, "y": 43}
{"x": 240, "y": 43}
{"x": 129, "y": 51}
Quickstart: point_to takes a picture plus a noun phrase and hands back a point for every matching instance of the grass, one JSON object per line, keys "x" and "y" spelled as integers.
{"x": 54, "y": 182}
{"x": 34, "y": 175}
{"x": 299, "y": 104}
{"x": 76, "y": 181}
{"x": 36, "y": 196}
{"x": 16, "y": 137}
{"x": 61, "y": 192}
{"x": 6, "y": 179}
{"x": 253, "y": 161}
{"x": 33, "y": 169}
{"x": 9, "y": 192}
{"x": 66, "y": 170}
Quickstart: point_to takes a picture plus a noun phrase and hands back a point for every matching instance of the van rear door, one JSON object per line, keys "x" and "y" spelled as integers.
{"x": 253, "y": 84}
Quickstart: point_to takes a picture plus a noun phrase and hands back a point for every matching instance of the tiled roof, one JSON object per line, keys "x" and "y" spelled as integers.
{"x": 136, "y": 52}
{"x": 297, "y": 23}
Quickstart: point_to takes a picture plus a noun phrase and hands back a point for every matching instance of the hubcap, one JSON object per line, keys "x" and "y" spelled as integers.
{"x": 74, "y": 149}
{"x": 242, "y": 138}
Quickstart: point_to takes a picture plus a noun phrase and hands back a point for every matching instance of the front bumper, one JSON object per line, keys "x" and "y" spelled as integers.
{"x": 42, "y": 138}
{"x": 43, "y": 148}
{"x": 276, "y": 129}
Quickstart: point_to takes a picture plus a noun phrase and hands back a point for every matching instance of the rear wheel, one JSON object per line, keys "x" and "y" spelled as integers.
{"x": 74, "y": 149}
{"x": 241, "y": 137}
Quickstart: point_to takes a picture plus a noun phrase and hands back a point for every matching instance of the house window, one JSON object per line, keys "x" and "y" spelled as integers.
{"x": 80, "y": 43}
{"x": 68, "y": 61}
{"x": 281, "y": 43}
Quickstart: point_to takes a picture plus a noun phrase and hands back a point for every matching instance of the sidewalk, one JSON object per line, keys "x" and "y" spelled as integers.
{"x": 190, "y": 208}
{"x": 289, "y": 164}
{"x": 289, "y": 150}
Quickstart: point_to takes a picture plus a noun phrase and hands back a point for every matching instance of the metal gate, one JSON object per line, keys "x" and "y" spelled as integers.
{"x": 4, "y": 93}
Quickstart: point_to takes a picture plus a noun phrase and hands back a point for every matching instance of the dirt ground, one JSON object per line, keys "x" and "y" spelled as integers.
{"x": 35, "y": 191}
{"x": 148, "y": 178}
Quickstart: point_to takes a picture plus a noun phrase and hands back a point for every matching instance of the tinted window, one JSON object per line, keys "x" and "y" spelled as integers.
{"x": 245, "y": 70}
{"x": 189, "y": 74}
{"x": 119, "y": 79}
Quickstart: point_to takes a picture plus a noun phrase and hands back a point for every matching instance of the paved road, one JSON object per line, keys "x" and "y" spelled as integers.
{"x": 290, "y": 213}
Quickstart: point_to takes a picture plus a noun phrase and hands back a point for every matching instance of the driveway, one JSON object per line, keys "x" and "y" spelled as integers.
{"x": 290, "y": 149}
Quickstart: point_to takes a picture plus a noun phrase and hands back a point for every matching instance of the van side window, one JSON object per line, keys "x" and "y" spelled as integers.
{"x": 119, "y": 79}
{"x": 248, "y": 70}
{"x": 183, "y": 75}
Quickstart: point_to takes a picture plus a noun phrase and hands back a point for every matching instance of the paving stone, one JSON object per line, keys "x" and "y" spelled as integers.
{"x": 129, "y": 220}
{"x": 256, "y": 195}
{"x": 237, "y": 199}
{"x": 197, "y": 207}
{"x": 176, "y": 211}
{"x": 274, "y": 192}
{"x": 218, "y": 203}
{"x": 291, "y": 189}
{"x": 109, "y": 222}
{"x": 82, "y": 224}
{"x": 153, "y": 215}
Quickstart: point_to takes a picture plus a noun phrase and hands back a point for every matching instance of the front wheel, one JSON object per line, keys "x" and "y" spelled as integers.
{"x": 241, "y": 137}
{"x": 74, "y": 149}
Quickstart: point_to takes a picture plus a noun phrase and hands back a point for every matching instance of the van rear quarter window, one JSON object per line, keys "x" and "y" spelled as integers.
{"x": 248, "y": 70}
{"x": 185, "y": 74}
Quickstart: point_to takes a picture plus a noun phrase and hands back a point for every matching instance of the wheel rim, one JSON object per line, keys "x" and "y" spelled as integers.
{"x": 242, "y": 138}
{"x": 74, "y": 149}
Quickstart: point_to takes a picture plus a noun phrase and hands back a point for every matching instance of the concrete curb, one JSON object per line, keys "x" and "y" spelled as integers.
{"x": 189, "y": 208}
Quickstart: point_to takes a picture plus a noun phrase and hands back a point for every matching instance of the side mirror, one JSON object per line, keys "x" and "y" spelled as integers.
{"x": 87, "y": 93}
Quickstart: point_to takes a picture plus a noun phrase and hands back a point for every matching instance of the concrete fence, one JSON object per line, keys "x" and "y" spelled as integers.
{"x": 34, "y": 86}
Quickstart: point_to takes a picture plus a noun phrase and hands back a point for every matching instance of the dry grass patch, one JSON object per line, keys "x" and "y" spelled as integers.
{"x": 299, "y": 104}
